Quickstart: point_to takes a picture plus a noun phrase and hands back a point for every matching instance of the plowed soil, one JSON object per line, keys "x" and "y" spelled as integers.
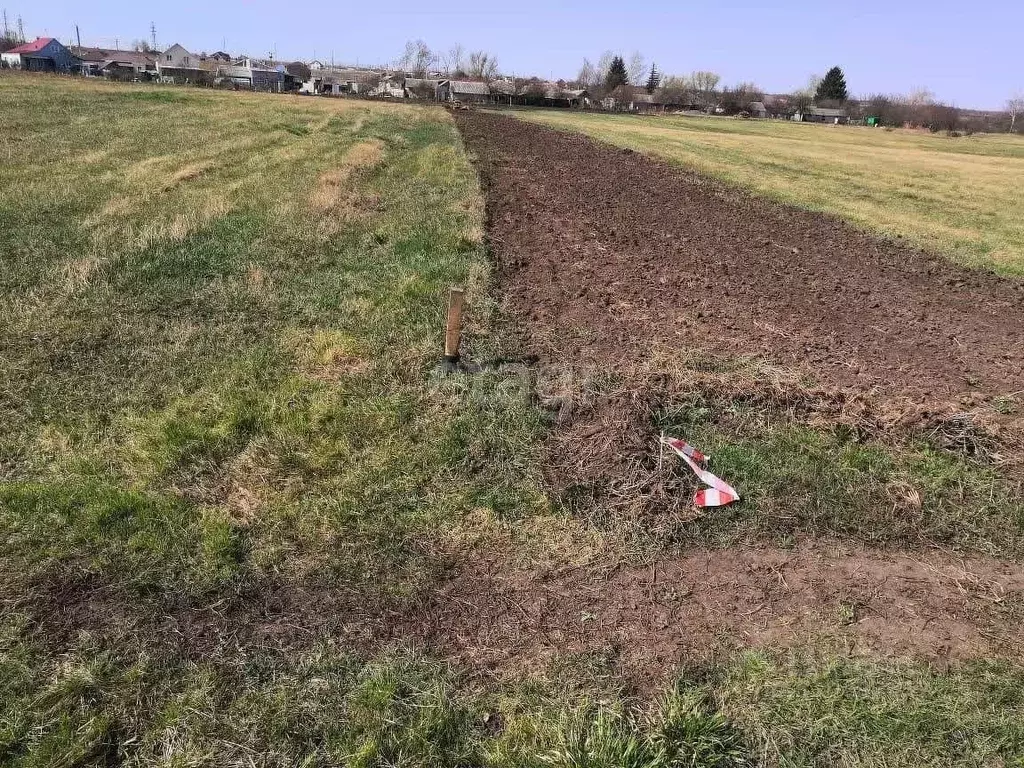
{"x": 606, "y": 258}
{"x": 604, "y": 254}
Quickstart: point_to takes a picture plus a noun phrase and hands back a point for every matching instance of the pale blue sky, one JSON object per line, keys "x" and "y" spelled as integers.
{"x": 967, "y": 53}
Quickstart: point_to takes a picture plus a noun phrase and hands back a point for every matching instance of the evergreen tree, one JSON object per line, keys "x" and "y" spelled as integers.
{"x": 617, "y": 74}
{"x": 832, "y": 87}
{"x": 654, "y": 80}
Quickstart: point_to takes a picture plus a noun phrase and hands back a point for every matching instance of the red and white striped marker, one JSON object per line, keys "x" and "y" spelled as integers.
{"x": 720, "y": 493}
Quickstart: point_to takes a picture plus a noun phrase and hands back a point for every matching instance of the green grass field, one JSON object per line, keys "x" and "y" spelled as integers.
{"x": 959, "y": 196}
{"x": 220, "y": 316}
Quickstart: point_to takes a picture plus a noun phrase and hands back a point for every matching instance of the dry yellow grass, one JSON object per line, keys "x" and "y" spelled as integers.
{"x": 327, "y": 355}
{"x": 962, "y": 196}
{"x": 189, "y": 172}
{"x": 332, "y": 188}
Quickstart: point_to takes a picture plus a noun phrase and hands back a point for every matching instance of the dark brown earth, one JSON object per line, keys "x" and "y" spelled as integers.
{"x": 502, "y": 615}
{"x": 650, "y": 618}
{"x": 605, "y": 255}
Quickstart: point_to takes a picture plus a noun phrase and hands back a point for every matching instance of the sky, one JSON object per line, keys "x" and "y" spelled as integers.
{"x": 970, "y": 54}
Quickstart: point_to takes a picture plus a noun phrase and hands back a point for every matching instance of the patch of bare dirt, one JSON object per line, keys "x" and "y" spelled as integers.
{"x": 501, "y": 616}
{"x": 612, "y": 264}
{"x": 652, "y": 618}
{"x": 605, "y": 254}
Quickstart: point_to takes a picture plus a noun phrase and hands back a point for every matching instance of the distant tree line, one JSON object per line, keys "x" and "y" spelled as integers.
{"x": 419, "y": 61}
{"x": 702, "y": 90}
{"x": 624, "y": 79}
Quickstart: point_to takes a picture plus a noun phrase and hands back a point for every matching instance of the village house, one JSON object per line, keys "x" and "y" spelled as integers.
{"x": 464, "y": 91}
{"x": 422, "y": 88}
{"x": 554, "y": 95}
{"x": 255, "y": 76}
{"x": 822, "y": 115}
{"x": 390, "y": 86}
{"x": 644, "y": 102}
{"x": 178, "y": 65}
{"x": 116, "y": 64}
{"x": 503, "y": 91}
{"x": 757, "y": 109}
{"x": 335, "y": 81}
{"x": 44, "y": 54}
{"x": 659, "y": 101}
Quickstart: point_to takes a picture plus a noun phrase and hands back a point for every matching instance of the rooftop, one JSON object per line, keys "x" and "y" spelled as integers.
{"x": 469, "y": 86}
{"x": 826, "y": 111}
{"x": 34, "y": 47}
{"x": 114, "y": 54}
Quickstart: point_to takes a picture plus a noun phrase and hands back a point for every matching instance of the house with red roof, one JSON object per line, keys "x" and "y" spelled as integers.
{"x": 44, "y": 54}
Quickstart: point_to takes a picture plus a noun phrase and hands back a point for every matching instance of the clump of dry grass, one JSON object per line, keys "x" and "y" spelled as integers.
{"x": 805, "y": 459}
{"x": 333, "y": 190}
{"x": 327, "y": 355}
{"x": 180, "y": 226}
{"x": 188, "y": 173}
{"x": 76, "y": 273}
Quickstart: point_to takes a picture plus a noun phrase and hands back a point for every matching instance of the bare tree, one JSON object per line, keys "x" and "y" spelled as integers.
{"x": 299, "y": 70}
{"x": 417, "y": 58}
{"x": 801, "y": 100}
{"x": 142, "y": 46}
{"x": 453, "y": 59}
{"x": 704, "y": 85}
{"x": 942, "y": 117}
{"x": 920, "y": 97}
{"x": 637, "y": 69}
{"x": 917, "y": 106}
{"x": 675, "y": 90}
{"x": 705, "y": 81}
{"x": 738, "y": 99}
{"x": 1015, "y": 106}
{"x": 589, "y": 76}
{"x": 482, "y": 65}
{"x": 535, "y": 91}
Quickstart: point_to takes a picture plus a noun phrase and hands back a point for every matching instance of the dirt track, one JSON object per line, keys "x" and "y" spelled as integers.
{"x": 604, "y": 254}
{"x": 501, "y": 614}
{"x": 927, "y": 605}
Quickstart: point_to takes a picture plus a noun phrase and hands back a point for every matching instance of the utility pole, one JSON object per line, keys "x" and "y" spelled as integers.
{"x": 21, "y": 30}
{"x": 152, "y": 34}
{"x": 78, "y": 36}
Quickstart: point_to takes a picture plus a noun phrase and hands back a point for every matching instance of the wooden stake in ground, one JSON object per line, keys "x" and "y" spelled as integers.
{"x": 453, "y": 329}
